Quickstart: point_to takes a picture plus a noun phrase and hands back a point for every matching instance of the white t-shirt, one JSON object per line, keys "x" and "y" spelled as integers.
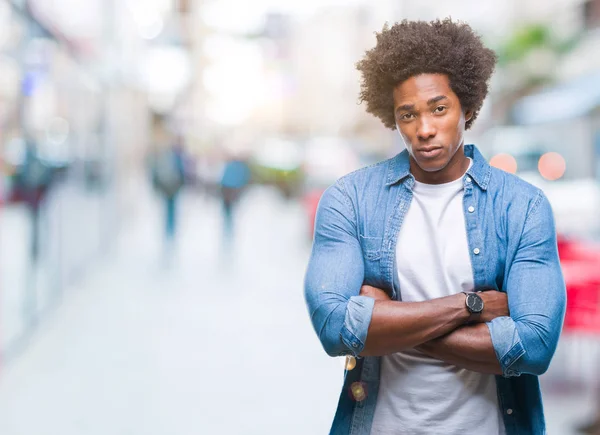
{"x": 419, "y": 394}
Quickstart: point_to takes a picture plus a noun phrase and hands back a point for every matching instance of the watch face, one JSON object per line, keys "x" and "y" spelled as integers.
{"x": 475, "y": 303}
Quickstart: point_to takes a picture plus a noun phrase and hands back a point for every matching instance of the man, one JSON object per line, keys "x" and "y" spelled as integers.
{"x": 439, "y": 273}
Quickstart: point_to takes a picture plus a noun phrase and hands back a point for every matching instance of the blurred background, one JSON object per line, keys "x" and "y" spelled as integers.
{"x": 161, "y": 163}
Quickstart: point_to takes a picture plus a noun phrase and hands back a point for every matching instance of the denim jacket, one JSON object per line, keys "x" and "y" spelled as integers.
{"x": 512, "y": 243}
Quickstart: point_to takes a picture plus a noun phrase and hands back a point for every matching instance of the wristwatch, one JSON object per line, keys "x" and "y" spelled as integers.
{"x": 474, "y": 304}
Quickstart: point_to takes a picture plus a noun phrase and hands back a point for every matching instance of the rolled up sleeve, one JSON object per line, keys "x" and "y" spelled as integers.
{"x": 526, "y": 341}
{"x": 334, "y": 276}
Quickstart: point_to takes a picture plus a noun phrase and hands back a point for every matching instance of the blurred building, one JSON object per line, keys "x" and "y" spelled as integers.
{"x": 77, "y": 85}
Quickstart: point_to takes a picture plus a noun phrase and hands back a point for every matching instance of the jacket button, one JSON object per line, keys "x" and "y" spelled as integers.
{"x": 476, "y": 251}
{"x": 471, "y": 209}
{"x": 350, "y": 363}
{"x": 509, "y": 411}
{"x": 354, "y": 344}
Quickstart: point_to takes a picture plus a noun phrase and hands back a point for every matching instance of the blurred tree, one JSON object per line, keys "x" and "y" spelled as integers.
{"x": 527, "y": 60}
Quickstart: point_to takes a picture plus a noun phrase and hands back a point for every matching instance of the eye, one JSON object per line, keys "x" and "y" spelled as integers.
{"x": 440, "y": 109}
{"x": 406, "y": 117}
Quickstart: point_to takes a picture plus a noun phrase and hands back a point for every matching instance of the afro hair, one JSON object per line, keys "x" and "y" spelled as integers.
{"x": 410, "y": 48}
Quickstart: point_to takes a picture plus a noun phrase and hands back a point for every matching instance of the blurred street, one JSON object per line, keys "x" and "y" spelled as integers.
{"x": 144, "y": 348}
{"x": 217, "y": 342}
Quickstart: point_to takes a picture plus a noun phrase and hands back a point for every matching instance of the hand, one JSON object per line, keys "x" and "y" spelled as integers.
{"x": 375, "y": 293}
{"x": 495, "y": 304}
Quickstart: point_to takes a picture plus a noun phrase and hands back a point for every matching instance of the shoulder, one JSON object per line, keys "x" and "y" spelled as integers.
{"x": 512, "y": 186}
{"x": 517, "y": 196}
{"x": 372, "y": 175}
{"x": 347, "y": 190}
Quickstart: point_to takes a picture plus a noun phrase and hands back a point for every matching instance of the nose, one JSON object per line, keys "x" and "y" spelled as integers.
{"x": 426, "y": 129}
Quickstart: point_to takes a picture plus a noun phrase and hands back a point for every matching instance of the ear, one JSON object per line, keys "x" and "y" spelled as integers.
{"x": 468, "y": 115}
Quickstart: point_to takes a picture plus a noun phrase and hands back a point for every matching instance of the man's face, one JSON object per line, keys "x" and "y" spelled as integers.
{"x": 430, "y": 120}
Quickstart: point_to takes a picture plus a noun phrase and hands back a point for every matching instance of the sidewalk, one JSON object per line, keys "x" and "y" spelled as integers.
{"x": 211, "y": 345}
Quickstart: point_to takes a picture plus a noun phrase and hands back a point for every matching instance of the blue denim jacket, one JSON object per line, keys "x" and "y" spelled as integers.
{"x": 512, "y": 244}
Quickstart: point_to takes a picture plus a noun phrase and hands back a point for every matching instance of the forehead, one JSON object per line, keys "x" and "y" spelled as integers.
{"x": 421, "y": 88}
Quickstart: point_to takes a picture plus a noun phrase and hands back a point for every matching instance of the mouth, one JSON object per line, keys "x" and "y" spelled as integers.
{"x": 430, "y": 152}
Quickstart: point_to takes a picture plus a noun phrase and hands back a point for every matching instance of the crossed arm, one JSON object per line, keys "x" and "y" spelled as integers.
{"x": 466, "y": 345}
{"x": 350, "y": 321}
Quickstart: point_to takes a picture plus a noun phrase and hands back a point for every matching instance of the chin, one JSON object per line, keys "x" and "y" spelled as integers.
{"x": 431, "y": 166}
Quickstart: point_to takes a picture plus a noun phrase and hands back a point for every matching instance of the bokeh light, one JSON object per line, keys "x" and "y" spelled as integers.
{"x": 552, "y": 166}
{"x": 506, "y": 162}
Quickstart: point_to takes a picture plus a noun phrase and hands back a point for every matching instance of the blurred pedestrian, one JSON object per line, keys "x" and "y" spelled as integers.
{"x": 32, "y": 182}
{"x": 235, "y": 179}
{"x": 435, "y": 274}
{"x": 168, "y": 177}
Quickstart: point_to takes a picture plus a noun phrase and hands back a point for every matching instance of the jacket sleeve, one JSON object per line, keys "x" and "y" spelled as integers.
{"x": 334, "y": 276}
{"x": 525, "y": 342}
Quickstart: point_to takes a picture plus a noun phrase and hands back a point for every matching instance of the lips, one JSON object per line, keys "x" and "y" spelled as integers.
{"x": 429, "y": 148}
{"x": 430, "y": 152}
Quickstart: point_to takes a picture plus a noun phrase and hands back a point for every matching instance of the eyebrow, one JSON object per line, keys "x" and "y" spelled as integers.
{"x": 409, "y": 107}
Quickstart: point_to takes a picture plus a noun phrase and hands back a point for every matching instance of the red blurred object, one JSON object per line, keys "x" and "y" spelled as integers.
{"x": 311, "y": 200}
{"x": 580, "y": 263}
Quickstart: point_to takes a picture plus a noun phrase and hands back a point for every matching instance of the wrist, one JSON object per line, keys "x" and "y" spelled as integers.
{"x": 461, "y": 306}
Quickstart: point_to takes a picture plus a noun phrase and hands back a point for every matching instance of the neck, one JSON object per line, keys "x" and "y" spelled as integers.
{"x": 455, "y": 169}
